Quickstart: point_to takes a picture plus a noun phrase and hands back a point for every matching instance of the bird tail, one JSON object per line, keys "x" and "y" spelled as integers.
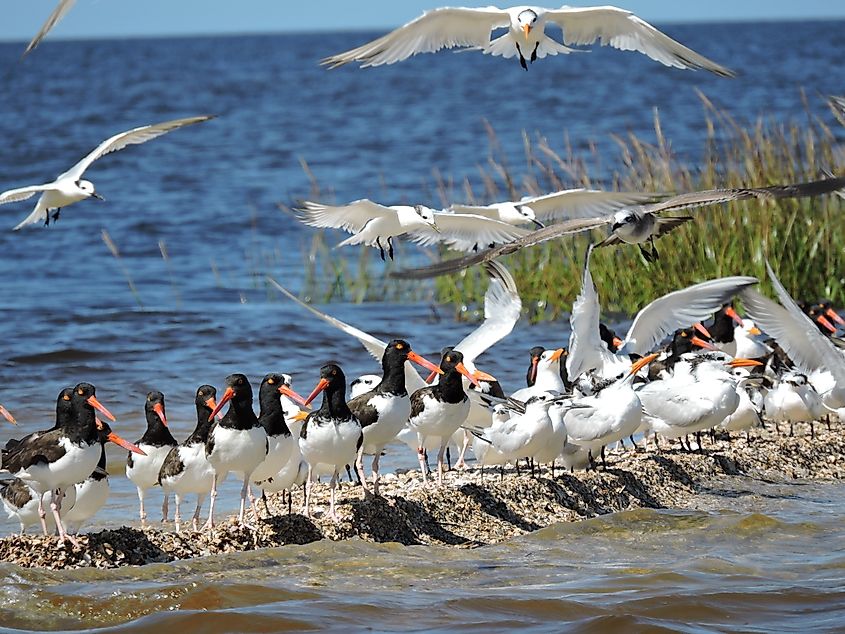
{"x": 549, "y": 46}
{"x": 38, "y": 215}
{"x": 478, "y": 432}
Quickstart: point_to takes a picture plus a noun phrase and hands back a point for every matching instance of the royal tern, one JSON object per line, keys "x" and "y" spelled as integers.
{"x": 330, "y": 435}
{"x": 748, "y": 343}
{"x": 651, "y": 325}
{"x": 237, "y": 442}
{"x": 547, "y": 376}
{"x": 813, "y": 353}
{"x": 376, "y": 225}
{"x": 525, "y": 38}
{"x": 631, "y": 226}
{"x": 384, "y": 411}
{"x": 69, "y": 187}
{"x": 747, "y": 414}
{"x": 156, "y": 443}
{"x": 792, "y": 400}
{"x": 186, "y": 469}
{"x": 55, "y": 17}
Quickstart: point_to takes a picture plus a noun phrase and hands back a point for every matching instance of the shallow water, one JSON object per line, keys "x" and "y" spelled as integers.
{"x": 210, "y": 193}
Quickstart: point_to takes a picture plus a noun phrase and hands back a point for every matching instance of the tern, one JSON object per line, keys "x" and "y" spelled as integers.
{"x": 525, "y": 38}
{"x": 837, "y": 104}
{"x": 793, "y": 400}
{"x": 651, "y": 325}
{"x": 70, "y": 188}
{"x": 632, "y": 226}
{"x": 376, "y": 225}
{"x": 55, "y": 17}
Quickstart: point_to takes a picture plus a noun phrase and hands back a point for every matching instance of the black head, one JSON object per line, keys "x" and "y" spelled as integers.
{"x": 206, "y": 397}
{"x": 269, "y": 390}
{"x": 154, "y": 408}
{"x": 85, "y": 401}
{"x": 65, "y": 406}
{"x": 531, "y": 375}
{"x": 397, "y": 348}
{"x": 240, "y": 386}
{"x": 451, "y": 359}
{"x": 333, "y": 373}
{"x": 609, "y": 337}
{"x": 333, "y": 383}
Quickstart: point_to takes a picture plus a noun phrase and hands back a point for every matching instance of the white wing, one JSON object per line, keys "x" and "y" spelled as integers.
{"x": 130, "y": 137}
{"x": 625, "y": 31}
{"x": 22, "y": 193}
{"x": 808, "y": 348}
{"x": 463, "y": 232}
{"x": 583, "y": 203}
{"x": 502, "y": 307}
{"x": 352, "y": 218}
{"x": 838, "y": 106}
{"x": 373, "y": 345}
{"x": 429, "y": 33}
{"x": 55, "y": 17}
{"x": 680, "y": 309}
{"x": 586, "y": 349}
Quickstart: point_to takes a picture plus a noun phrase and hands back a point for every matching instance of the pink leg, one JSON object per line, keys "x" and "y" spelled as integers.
{"x": 440, "y": 455}
{"x": 308, "y": 484}
{"x": 42, "y": 514}
{"x": 210, "y": 522}
{"x": 421, "y": 456}
{"x": 333, "y": 484}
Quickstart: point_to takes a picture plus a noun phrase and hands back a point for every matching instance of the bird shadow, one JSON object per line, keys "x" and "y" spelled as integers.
{"x": 495, "y": 507}
{"x": 398, "y": 519}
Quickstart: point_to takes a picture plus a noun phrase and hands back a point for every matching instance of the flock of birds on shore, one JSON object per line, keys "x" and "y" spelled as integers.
{"x": 598, "y": 391}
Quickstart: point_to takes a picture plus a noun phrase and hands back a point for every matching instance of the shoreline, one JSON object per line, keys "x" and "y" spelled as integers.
{"x": 466, "y": 512}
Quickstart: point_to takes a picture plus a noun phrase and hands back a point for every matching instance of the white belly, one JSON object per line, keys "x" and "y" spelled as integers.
{"x": 393, "y": 416}
{"x": 784, "y": 405}
{"x": 75, "y": 466}
{"x": 278, "y": 455}
{"x": 27, "y": 514}
{"x": 91, "y": 496}
{"x": 744, "y": 417}
{"x": 617, "y": 415}
{"x": 144, "y": 470}
{"x": 332, "y": 443}
{"x": 439, "y": 418}
{"x": 197, "y": 473}
{"x": 237, "y": 450}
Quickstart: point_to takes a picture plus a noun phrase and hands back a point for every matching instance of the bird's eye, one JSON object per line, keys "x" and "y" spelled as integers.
{"x": 80, "y": 391}
{"x": 334, "y": 372}
{"x": 66, "y": 397}
{"x": 448, "y": 359}
{"x": 271, "y": 381}
{"x": 399, "y": 346}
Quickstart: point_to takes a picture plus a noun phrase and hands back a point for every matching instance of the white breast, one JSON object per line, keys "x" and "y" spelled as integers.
{"x": 393, "y": 416}
{"x": 237, "y": 450}
{"x": 75, "y": 466}
{"x": 279, "y": 453}
{"x": 144, "y": 470}
{"x": 197, "y": 473}
{"x": 331, "y": 443}
{"x": 439, "y": 418}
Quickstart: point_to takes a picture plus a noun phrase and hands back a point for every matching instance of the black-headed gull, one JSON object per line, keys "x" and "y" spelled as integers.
{"x": 70, "y": 188}
{"x": 525, "y": 38}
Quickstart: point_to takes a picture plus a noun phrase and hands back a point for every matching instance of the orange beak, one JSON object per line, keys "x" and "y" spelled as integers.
{"x": 526, "y": 28}
{"x": 730, "y": 312}
{"x": 8, "y": 415}
{"x": 697, "y": 341}
{"x": 431, "y": 376}
{"x": 120, "y": 442}
{"x": 700, "y": 328}
{"x": 462, "y": 369}
{"x": 835, "y": 316}
{"x": 227, "y": 396}
{"x": 159, "y": 409}
{"x": 428, "y": 365}
{"x": 284, "y": 389}
{"x": 826, "y": 323}
{"x": 743, "y": 363}
{"x": 483, "y": 376}
{"x": 557, "y": 354}
{"x": 93, "y": 402}
{"x": 754, "y": 331}
{"x": 617, "y": 343}
{"x": 639, "y": 364}
{"x": 322, "y": 385}
{"x": 300, "y": 415}
{"x": 534, "y": 362}
{"x": 211, "y": 403}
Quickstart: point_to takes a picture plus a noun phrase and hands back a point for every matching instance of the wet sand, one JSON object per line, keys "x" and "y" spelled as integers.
{"x": 469, "y": 512}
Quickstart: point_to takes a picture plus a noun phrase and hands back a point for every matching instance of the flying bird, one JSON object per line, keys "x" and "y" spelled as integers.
{"x": 631, "y": 226}
{"x": 837, "y": 104}
{"x": 58, "y": 13}
{"x": 70, "y": 188}
{"x": 472, "y": 28}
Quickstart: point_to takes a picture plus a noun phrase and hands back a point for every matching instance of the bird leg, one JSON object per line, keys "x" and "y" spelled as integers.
{"x": 791, "y": 429}
{"x": 654, "y": 253}
{"x": 359, "y": 471}
{"x": 390, "y": 246}
{"x": 306, "y": 510}
{"x": 461, "y": 463}
{"x": 195, "y": 521}
{"x": 56, "y": 506}
{"x": 812, "y": 430}
{"x": 177, "y": 514}
{"x": 209, "y": 524}
{"x": 333, "y": 485}
{"x": 349, "y": 475}
{"x": 521, "y": 58}
{"x": 448, "y": 458}
{"x": 440, "y": 454}
{"x": 534, "y": 52}
{"x": 380, "y": 248}
{"x": 165, "y": 509}
{"x": 42, "y": 514}
{"x": 422, "y": 457}
{"x": 142, "y": 513}
{"x": 375, "y": 472}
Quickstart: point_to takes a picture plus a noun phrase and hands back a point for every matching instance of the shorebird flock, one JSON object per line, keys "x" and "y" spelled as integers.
{"x": 689, "y": 363}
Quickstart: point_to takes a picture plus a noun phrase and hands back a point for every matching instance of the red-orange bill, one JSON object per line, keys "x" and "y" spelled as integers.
{"x": 120, "y": 442}
{"x": 158, "y": 408}
{"x": 93, "y": 402}
{"x": 730, "y": 312}
{"x": 698, "y": 341}
{"x": 284, "y": 389}
{"x": 322, "y": 385}
{"x": 835, "y": 316}
{"x": 8, "y": 415}
{"x": 825, "y": 322}
{"x": 460, "y": 367}
{"x": 428, "y": 365}
{"x": 227, "y": 396}
{"x": 700, "y": 328}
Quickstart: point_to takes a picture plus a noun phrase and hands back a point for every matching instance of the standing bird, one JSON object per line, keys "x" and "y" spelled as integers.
{"x": 186, "y": 469}
{"x": 69, "y": 188}
{"x": 21, "y": 503}
{"x": 331, "y": 435}
{"x": 156, "y": 443}
{"x": 526, "y": 37}
{"x": 237, "y": 442}
{"x": 792, "y": 400}
{"x": 439, "y": 410}
{"x": 546, "y": 375}
{"x": 384, "y": 411}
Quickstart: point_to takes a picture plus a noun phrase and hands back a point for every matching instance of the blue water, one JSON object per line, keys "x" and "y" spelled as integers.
{"x": 210, "y": 192}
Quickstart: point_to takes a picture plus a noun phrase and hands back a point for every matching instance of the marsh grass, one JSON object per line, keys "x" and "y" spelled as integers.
{"x": 802, "y": 239}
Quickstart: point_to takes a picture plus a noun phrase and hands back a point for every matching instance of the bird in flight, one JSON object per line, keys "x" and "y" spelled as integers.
{"x": 58, "y": 13}
{"x": 472, "y": 28}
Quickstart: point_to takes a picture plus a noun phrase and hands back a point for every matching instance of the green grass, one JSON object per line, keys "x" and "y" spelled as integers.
{"x": 804, "y": 240}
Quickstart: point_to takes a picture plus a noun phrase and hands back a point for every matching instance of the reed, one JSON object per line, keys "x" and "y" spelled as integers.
{"x": 802, "y": 239}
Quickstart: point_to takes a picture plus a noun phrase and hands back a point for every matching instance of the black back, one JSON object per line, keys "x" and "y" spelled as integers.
{"x": 65, "y": 415}
{"x": 722, "y": 328}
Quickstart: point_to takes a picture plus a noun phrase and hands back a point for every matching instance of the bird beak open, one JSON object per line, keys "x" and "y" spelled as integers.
{"x": 158, "y": 408}
{"x": 700, "y": 328}
{"x": 730, "y": 312}
{"x": 97, "y": 196}
{"x": 120, "y": 442}
{"x": 743, "y": 363}
{"x": 322, "y": 385}
{"x": 639, "y": 364}
{"x": 93, "y": 402}
{"x": 835, "y": 316}
{"x": 526, "y": 28}
{"x": 824, "y": 321}
{"x": 8, "y": 415}
{"x": 557, "y": 354}
{"x": 471, "y": 376}
{"x": 428, "y": 365}
{"x": 227, "y": 396}
{"x": 284, "y": 389}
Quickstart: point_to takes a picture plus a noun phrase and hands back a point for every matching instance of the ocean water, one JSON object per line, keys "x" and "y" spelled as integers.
{"x": 209, "y": 193}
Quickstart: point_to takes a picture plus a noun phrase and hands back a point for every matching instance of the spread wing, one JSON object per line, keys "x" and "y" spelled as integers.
{"x": 467, "y": 232}
{"x": 58, "y": 13}
{"x": 586, "y": 349}
{"x": 623, "y": 30}
{"x": 22, "y": 193}
{"x": 130, "y": 137}
{"x": 680, "y": 309}
{"x": 535, "y": 237}
{"x": 502, "y": 307}
{"x": 429, "y": 33}
{"x": 373, "y": 345}
{"x": 583, "y": 203}
{"x": 799, "y": 337}
{"x": 838, "y": 106}
{"x": 352, "y": 218}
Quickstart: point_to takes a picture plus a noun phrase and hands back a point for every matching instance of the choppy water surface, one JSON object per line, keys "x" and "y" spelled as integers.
{"x": 209, "y": 193}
